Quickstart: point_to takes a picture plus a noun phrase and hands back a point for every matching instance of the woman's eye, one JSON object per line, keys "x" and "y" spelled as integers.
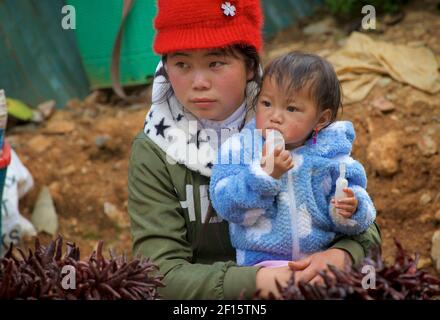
{"x": 265, "y": 103}
{"x": 292, "y": 109}
{"x": 216, "y": 64}
{"x": 181, "y": 65}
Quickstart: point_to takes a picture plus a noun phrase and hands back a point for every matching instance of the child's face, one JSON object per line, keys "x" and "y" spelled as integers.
{"x": 209, "y": 83}
{"x": 294, "y": 115}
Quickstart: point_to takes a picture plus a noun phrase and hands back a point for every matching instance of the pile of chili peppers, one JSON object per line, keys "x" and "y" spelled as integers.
{"x": 399, "y": 281}
{"x": 42, "y": 275}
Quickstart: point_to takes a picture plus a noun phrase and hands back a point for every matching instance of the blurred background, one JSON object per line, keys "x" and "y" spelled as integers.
{"x": 72, "y": 134}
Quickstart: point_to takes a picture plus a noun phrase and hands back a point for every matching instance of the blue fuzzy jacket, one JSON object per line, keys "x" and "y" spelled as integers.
{"x": 272, "y": 219}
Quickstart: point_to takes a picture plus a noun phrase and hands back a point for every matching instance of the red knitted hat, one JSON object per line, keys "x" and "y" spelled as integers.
{"x": 203, "y": 24}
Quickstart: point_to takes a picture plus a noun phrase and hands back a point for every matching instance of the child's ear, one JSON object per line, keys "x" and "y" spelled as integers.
{"x": 324, "y": 119}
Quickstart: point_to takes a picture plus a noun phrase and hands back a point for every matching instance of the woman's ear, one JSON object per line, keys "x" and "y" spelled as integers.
{"x": 250, "y": 74}
{"x": 324, "y": 119}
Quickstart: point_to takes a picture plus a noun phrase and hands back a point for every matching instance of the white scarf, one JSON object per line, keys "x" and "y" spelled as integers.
{"x": 184, "y": 138}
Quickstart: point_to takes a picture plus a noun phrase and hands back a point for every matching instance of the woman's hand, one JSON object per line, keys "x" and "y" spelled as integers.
{"x": 265, "y": 280}
{"x": 307, "y": 269}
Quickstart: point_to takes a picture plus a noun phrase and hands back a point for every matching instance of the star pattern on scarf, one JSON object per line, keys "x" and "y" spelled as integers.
{"x": 161, "y": 127}
{"x": 179, "y": 117}
{"x": 194, "y": 138}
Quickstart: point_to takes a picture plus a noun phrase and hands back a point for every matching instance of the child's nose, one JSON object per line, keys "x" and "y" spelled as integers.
{"x": 200, "y": 81}
{"x": 276, "y": 116}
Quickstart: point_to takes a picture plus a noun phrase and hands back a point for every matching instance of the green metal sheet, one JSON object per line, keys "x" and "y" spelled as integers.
{"x": 39, "y": 60}
{"x": 279, "y": 14}
{"x": 97, "y": 25}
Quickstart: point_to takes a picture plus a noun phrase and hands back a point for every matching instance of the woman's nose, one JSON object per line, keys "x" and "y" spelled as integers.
{"x": 200, "y": 81}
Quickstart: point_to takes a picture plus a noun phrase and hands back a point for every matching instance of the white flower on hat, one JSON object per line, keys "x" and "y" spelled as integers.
{"x": 228, "y": 9}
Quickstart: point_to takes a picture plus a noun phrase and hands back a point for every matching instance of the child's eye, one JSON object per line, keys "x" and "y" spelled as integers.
{"x": 265, "y": 103}
{"x": 292, "y": 109}
{"x": 216, "y": 64}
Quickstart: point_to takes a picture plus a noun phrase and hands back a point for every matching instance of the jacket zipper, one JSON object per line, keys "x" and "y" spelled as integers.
{"x": 294, "y": 216}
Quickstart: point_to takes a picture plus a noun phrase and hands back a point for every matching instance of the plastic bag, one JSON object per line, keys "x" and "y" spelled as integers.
{"x": 18, "y": 182}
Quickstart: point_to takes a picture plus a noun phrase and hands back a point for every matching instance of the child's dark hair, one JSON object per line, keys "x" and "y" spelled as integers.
{"x": 251, "y": 58}
{"x": 296, "y": 70}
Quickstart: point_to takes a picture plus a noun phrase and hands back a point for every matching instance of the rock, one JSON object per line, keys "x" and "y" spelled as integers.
{"x": 392, "y": 19}
{"x": 44, "y": 216}
{"x": 418, "y": 31}
{"x": 116, "y": 216}
{"x": 432, "y": 130}
{"x": 59, "y": 127}
{"x": 55, "y": 190}
{"x": 95, "y": 97}
{"x": 391, "y": 96}
{"x": 342, "y": 42}
{"x": 425, "y": 199}
{"x": 325, "y": 26}
{"x": 435, "y": 250}
{"x": 383, "y": 155}
{"x": 437, "y": 216}
{"x": 416, "y": 44}
{"x": 371, "y": 127}
{"x": 90, "y": 113}
{"x": 74, "y": 104}
{"x": 424, "y": 263}
{"x": 68, "y": 170}
{"x": 424, "y": 218}
{"x": 383, "y": 82}
{"x": 412, "y": 129}
{"x": 419, "y": 105}
{"x": 39, "y": 143}
{"x": 101, "y": 141}
{"x": 427, "y": 145}
{"x": 382, "y": 104}
{"x": 37, "y": 116}
{"x": 47, "y": 108}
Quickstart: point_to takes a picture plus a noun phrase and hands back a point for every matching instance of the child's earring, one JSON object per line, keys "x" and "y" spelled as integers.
{"x": 315, "y": 135}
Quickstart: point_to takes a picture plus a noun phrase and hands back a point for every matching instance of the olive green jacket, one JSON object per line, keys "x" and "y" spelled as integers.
{"x": 167, "y": 204}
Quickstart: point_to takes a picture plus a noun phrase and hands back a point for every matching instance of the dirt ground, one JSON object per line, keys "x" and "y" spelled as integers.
{"x": 82, "y": 176}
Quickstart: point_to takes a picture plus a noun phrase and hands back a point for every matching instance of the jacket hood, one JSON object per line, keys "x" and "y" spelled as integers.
{"x": 336, "y": 139}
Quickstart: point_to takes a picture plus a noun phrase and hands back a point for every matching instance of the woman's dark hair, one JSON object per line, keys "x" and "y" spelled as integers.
{"x": 297, "y": 70}
{"x": 249, "y": 53}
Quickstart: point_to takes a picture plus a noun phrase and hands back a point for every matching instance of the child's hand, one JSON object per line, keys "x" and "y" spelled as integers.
{"x": 346, "y": 206}
{"x": 277, "y": 163}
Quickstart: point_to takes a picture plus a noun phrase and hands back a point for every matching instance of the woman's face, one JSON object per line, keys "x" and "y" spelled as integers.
{"x": 208, "y": 83}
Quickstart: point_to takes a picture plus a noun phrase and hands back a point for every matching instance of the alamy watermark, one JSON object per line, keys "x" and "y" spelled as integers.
{"x": 69, "y": 19}
{"x": 68, "y": 281}
{"x": 369, "y": 280}
{"x": 369, "y": 20}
